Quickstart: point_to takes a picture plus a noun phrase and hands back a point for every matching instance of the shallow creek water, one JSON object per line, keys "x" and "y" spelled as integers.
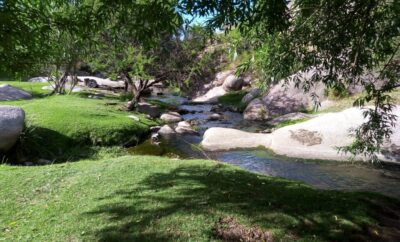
{"x": 384, "y": 179}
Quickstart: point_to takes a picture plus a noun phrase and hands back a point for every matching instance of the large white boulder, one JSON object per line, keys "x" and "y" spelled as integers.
{"x": 211, "y": 96}
{"x": 94, "y": 81}
{"x": 11, "y": 125}
{"x": 215, "y": 139}
{"x": 233, "y": 83}
{"x": 67, "y": 88}
{"x": 317, "y": 138}
{"x": 39, "y": 79}
{"x": 8, "y": 93}
{"x": 221, "y": 76}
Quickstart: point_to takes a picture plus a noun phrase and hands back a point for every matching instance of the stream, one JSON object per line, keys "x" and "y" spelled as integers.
{"x": 380, "y": 178}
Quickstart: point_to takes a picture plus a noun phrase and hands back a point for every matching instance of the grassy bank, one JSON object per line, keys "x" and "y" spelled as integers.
{"x": 143, "y": 198}
{"x": 70, "y": 126}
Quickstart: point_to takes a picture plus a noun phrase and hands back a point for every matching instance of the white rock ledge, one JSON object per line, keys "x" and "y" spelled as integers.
{"x": 317, "y": 138}
{"x": 215, "y": 139}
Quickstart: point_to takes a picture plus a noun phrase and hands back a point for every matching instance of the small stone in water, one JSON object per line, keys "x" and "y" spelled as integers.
{"x": 215, "y": 116}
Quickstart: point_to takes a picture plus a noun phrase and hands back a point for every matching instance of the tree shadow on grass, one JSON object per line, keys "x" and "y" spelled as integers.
{"x": 41, "y": 143}
{"x": 188, "y": 200}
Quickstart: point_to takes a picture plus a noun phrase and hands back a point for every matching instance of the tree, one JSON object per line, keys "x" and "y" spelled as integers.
{"x": 63, "y": 33}
{"x": 127, "y": 45}
{"x": 346, "y": 42}
{"x": 131, "y": 63}
{"x": 175, "y": 59}
{"x": 49, "y": 37}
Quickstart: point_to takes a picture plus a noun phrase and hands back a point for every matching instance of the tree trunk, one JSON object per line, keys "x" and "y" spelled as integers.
{"x": 132, "y": 105}
{"x": 136, "y": 91}
{"x": 126, "y": 85}
{"x": 59, "y": 85}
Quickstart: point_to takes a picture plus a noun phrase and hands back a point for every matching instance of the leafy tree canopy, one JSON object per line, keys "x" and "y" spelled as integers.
{"x": 344, "y": 42}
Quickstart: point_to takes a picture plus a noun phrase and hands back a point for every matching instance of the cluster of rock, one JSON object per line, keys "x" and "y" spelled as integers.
{"x": 223, "y": 83}
{"x": 183, "y": 127}
{"x": 174, "y": 123}
{"x": 281, "y": 99}
{"x": 289, "y": 96}
{"x": 317, "y": 138}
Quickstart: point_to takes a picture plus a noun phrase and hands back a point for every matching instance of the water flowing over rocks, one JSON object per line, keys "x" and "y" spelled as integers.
{"x": 227, "y": 146}
{"x": 317, "y": 138}
{"x": 8, "y": 93}
{"x": 12, "y": 121}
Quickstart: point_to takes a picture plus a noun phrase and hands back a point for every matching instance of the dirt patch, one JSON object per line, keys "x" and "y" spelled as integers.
{"x": 228, "y": 229}
{"x": 306, "y": 137}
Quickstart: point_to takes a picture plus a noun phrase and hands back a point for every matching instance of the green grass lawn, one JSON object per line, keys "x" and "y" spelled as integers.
{"x": 144, "y": 198}
{"x": 68, "y": 126}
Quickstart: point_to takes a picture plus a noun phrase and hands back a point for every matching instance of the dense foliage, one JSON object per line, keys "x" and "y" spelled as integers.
{"x": 341, "y": 42}
{"x": 64, "y": 33}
